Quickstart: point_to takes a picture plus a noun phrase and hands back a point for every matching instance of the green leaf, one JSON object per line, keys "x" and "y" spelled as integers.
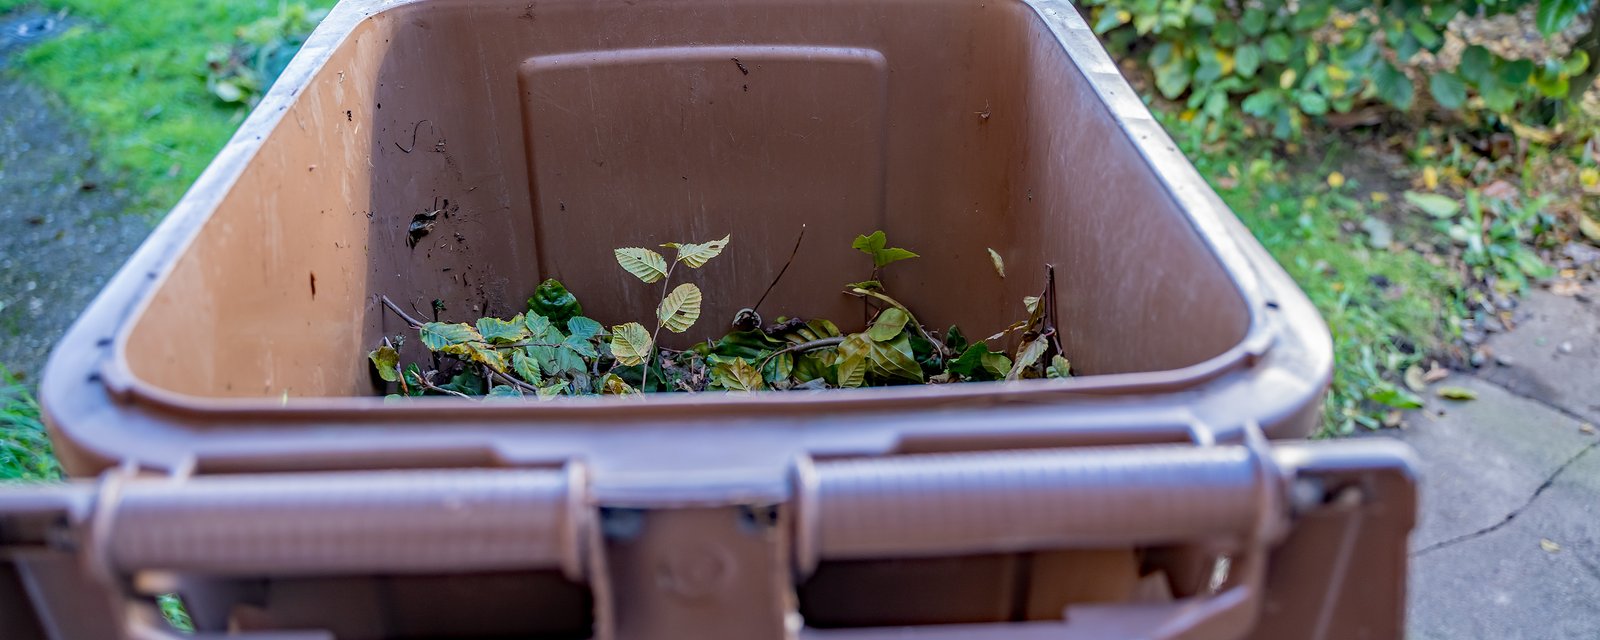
{"x": 1448, "y": 90}
{"x": 955, "y": 340}
{"x": 1172, "y": 79}
{"x": 411, "y": 377}
{"x": 439, "y": 335}
{"x": 1434, "y": 204}
{"x": 891, "y": 360}
{"x": 583, "y": 328}
{"x": 1425, "y": 35}
{"x": 631, "y": 344}
{"x": 467, "y": 382}
{"x": 1203, "y": 14}
{"x": 888, "y": 324}
{"x": 876, "y": 245}
{"x": 1247, "y": 60}
{"x": 1456, "y": 393}
{"x": 1576, "y": 63}
{"x": 979, "y": 363}
{"x": 1396, "y": 397}
{"x": 1278, "y": 47}
{"x": 553, "y": 301}
{"x": 680, "y": 309}
{"x": 1554, "y": 15}
{"x": 539, "y": 328}
{"x": 581, "y": 346}
{"x": 696, "y": 255}
{"x": 1312, "y": 104}
{"x": 1260, "y": 103}
{"x": 779, "y": 367}
{"x": 1028, "y": 354}
{"x": 644, "y": 264}
{"x": 1059, "y": 368}
{"x": 1515, "y": 73}
{"x": 1393, "y": 86}
{"x": 1254, "y": 21}
{"x": 551, "y": 391}
{"x": 869, "y": 285}
{"x": 497, "y": 330}
{"x": 505, "y": 391}
{"x": 526, "y": 367}
{"x": 853, "y": 370}
{"x": 1476, "y": 64}
{"x": 387, "y": 361}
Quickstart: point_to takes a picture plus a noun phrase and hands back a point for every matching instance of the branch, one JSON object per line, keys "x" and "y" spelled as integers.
{"x": 813, "y": 345}
{"x": 433, "y": 387}
{"x": 403, "y": 315}
{"x": 785, "y": 268}
{"x": 514, "y": 382}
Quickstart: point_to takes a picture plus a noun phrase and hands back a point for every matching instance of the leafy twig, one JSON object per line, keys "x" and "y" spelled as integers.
{"x": 938, "y": 347}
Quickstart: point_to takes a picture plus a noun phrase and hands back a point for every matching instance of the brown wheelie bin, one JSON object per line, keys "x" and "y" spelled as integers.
{"x": 219, "y": 388}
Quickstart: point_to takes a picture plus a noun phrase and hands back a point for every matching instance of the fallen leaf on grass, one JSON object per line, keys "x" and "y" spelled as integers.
{"x": 1549, "y": 545}
{"x": 1457, "y": 393}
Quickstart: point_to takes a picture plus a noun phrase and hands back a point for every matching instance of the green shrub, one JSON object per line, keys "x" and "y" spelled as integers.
{"x": 1281, "y": 62}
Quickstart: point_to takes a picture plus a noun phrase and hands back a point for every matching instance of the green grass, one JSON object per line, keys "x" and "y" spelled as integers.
{"x": 134, "y": 71}
{"x": 24, "y": 447}
{"x": 1387, "y": 309}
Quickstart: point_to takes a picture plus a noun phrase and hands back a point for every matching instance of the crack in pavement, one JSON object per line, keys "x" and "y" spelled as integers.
{"x": 1548, "y": 482}
{"x": 1568, "y": 413}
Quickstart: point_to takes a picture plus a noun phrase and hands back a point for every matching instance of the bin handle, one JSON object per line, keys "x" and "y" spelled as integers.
{"x": 951, "y": 504}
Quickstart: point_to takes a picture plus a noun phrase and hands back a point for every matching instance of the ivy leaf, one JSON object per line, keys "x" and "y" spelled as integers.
{"x": 1433, "y": 204}
{"x": 643, "y": 263}
{"x": 1392, "y": 86}
{"x": 680, "y": 309}
{"x": 440, "y": 335}
{"x": 1554, "y": 15}
{"x": 1027, "y": 355}
{"x": 876, "y": 245}
{"x": 584, "y": 328}
{"x": 1059, "y": 368}
{"x": 853, "y": 370}
{"x": 630, "y": 344}
{"x": 888, "y": 324}
{"x": 979, "y": 363}
{"x": 505, "y": 391}
{"x": 387, "y": 360}
{"x": 955, "y": 340}
{"x": 526, "y": 367}
{"x": 1448, "y": 90}
{"x": 497, "y": 330}
{"x": 552, "y": 300}
{"x": 696, "y": 255}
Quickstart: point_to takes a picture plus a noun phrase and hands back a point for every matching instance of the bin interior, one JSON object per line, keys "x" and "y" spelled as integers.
{"x": 551, "y": 133}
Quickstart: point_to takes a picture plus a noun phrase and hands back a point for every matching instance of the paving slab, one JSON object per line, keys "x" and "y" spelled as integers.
{"x": 1476, "y": 574}
{"x": 1554, "y": 353}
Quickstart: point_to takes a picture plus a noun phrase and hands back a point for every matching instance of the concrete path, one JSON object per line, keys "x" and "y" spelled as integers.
{"x": 65, "y": 226}
{"x": 1508, "y": 543}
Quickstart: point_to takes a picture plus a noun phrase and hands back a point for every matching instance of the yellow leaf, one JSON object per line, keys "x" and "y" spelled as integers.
{"x": 696, "y": 255}
{"x": 1027, "y": 355}
{"x": 999, "y": 265}
{"x": 1428, "y": 151}
{"x": 1342, "y": 21}
{"x": 1549, "y": 545}
{"x": 1286, "y": 80}
{"x": 1589, "y": 227}
{"x": 1589, "y": 178}
{"x": 1339, "y": 73}
{"x": 630, "y": 344}
{"x": 680, "y": 309}
{"x": 1430, "y": 178}
{"x": 1188, "y": 115}
{"x": 1379, "y": 197}
{"x": 853, "y": 370}
{"x": 1336, "y": 179}
{"x": 643, "y": 263}
{"x": 1123, "y": 17}
{"x": 1225, "y": 59}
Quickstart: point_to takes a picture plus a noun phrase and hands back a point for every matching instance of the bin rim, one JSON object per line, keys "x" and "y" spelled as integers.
{"x": 128, "y": 295}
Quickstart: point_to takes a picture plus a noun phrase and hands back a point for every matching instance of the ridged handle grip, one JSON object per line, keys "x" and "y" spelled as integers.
{"x": 330, "y": 523}
{"x": 947, "y": 504}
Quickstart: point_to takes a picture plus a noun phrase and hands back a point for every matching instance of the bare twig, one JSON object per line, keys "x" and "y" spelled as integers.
{"x": 426, "y": 384}
{"x": 644, "y": 379}
{"x": 821, "y": 343}
{"x": 792, "y": 254}
{"x": 403, "y": 315}
{"x": 513, "y": 381}
{"x": 1050, "y": 309}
